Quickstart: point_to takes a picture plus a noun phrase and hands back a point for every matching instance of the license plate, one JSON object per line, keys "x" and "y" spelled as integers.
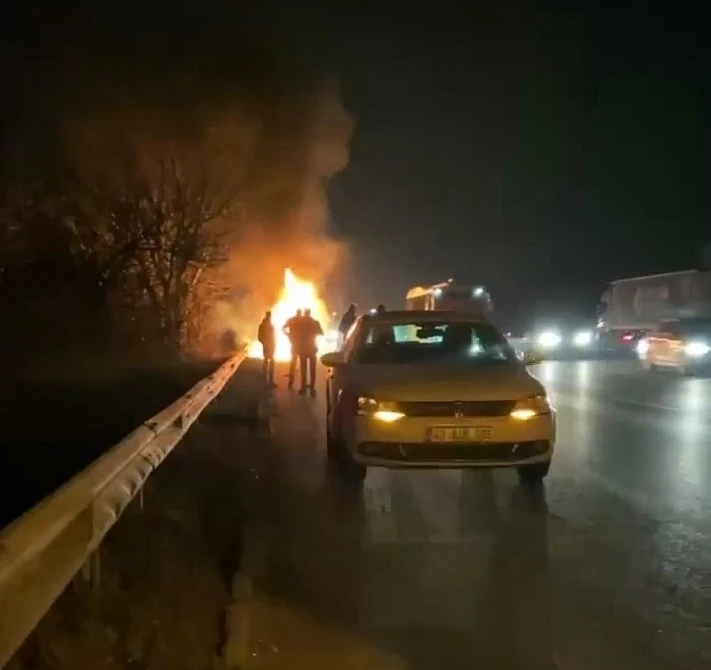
{"x": 460, "y": 433}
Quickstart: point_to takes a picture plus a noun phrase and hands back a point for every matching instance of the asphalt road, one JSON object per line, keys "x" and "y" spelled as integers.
{"x": 607, "y": 566}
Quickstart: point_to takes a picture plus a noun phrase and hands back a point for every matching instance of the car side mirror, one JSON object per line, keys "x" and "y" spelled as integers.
{"x": 532, "y": 358}
{"x": 332, "y": 359}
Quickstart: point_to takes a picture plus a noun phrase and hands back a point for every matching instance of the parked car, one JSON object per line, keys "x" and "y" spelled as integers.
{"x": 434, "y": 389}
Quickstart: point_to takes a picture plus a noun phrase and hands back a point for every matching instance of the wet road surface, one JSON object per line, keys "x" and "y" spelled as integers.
{"x": 607, "y": 566}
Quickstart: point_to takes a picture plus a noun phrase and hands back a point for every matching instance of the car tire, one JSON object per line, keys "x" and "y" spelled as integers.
{"x": 337, "y": 455}
{"x": 536, "y": 472}
{"x": 333, "y": 446}
{"x": 687, "y": 370}
{"x": 649, "y": 366}
{"x": 352, "y": 472}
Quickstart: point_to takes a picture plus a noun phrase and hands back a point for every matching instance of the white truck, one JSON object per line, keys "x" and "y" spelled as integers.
{"x": 631, "y": 307}
{"x": 450, "y": 296}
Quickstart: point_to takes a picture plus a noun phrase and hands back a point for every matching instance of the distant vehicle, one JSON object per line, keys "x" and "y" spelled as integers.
{"x": 567, "y": 340}
{"x": 631, "y": 307}
{"x": 450, "y": 296}
{"x": 434, "y": 389}
{"x": 683, "y": 345}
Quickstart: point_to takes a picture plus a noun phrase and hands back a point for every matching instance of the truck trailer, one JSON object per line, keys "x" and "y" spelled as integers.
{"x": 631, "y": 307}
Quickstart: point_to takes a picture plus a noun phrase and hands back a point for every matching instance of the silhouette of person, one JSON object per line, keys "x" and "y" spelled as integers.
{"x": 309, "y": 329}
{"x": 347, "y": 320}
{"x": 291, "y": 329}
{"x": 267, "y": 338}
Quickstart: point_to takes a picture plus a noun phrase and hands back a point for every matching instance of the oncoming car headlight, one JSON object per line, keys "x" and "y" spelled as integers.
{"x": 697, "y": 349}
{"x": 582, "y": 338}
{"x": 642, "y": 347}
{"x": 381, "y": 411}
{"x": 548, "y": 339}
{"x": 529, "y": 407}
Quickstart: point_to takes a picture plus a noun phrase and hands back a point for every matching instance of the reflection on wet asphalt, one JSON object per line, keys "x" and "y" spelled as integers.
{"x": 606, "y": 566}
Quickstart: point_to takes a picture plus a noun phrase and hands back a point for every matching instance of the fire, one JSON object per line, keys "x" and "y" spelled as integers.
{"x": 296, "y": 293}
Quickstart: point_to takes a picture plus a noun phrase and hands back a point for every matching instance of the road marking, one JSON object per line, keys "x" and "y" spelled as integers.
{"x": 237, "y": 649}
{"x": 379, "y": 518}
{"x": 648, "y": 405}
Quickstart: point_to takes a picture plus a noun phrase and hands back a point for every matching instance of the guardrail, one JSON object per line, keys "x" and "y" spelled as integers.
{"x": 42, "y": 551}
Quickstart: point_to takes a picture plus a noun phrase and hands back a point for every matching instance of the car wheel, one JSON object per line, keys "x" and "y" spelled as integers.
{"x": 352, "y": 472}
{"x": 333, "y": 446}
{"x": 687, "y": 370}
{"x": 535, "y": 472}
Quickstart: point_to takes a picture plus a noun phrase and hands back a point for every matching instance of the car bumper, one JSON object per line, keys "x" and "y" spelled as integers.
{"x": 405, "y": 443}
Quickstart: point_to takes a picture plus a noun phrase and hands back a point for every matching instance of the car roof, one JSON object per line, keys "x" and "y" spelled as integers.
{"x": 424, "y": 316}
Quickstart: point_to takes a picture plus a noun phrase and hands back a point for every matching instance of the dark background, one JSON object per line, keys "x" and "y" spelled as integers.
{"x": 543, "y": 153}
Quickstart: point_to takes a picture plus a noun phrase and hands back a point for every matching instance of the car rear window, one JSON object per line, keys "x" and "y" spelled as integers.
{"x": 412, "y": 342}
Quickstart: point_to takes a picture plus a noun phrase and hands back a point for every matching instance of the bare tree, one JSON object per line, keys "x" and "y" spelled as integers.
{"x": 164, "y": 211}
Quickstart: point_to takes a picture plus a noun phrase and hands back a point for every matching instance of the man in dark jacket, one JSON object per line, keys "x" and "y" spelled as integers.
{"x": 267, "y": 338}
{"x": 291, "y": 329}
{"x": 347, "y": 321}
{"x": 308, "y": 333}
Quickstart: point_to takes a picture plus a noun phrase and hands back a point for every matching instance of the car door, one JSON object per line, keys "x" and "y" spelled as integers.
{"x": 675, "y": 344}
{"x": 334, "y": 383}
{"x": 655, "y": 345}
{"x": 664, "y": 343}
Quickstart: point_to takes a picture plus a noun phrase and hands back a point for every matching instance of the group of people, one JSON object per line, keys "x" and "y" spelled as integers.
{"x": 303, "y": 332}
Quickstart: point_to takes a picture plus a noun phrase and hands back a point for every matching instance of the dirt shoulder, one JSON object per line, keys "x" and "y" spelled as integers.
{"x": 166, "y": 567}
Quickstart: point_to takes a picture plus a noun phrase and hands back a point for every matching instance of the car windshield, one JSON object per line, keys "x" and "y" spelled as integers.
{"x": 412, "y": 342}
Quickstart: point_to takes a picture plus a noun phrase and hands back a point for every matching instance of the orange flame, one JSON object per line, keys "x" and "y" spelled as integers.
{"x": 295, "y": 294}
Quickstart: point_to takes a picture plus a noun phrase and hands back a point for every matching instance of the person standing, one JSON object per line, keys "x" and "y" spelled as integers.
{"x": 291, "y": 330}
{"x": 267, "y": 338}
{"x": 309, "y": 331}
{"x": 347, "y": 321}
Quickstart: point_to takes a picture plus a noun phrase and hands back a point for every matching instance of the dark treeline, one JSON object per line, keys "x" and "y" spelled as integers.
{"x": 140, "y": 148}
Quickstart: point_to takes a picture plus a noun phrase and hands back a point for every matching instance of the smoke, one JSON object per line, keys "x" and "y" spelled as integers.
{"x": 237, "y": 112}
{"x": 285, "y": 221}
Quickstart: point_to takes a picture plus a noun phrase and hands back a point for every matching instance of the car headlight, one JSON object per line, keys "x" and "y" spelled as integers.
{"x": 697, "y": 349}
{"x": 548, "y": 339}
{"x": 582, "y": 338}
{"x": 382, "y": 411}
{"x": 642, "y": 347}
{"x": 529, "y": 407}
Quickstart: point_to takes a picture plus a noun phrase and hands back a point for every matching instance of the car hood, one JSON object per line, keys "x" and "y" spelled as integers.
{"x": 481, "y": 381}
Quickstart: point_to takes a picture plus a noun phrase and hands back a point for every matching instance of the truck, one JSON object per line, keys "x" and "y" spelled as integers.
{"x": 631, "y": 307}
{"x": 450, "y": 296}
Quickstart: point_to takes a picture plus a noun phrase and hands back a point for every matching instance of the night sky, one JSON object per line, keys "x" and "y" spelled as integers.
{"x": 541, "y": 153}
